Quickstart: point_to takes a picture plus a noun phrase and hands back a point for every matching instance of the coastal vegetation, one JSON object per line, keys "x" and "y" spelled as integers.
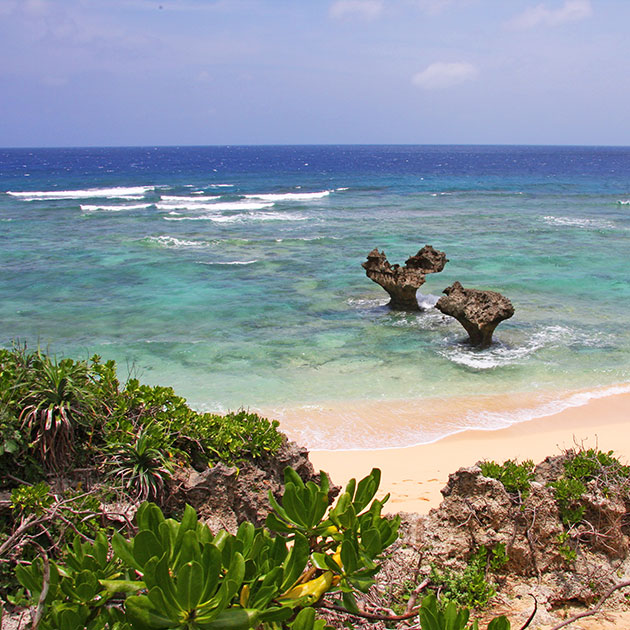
{"x": 92, "y": 536}
{"x": 109, "y": 489}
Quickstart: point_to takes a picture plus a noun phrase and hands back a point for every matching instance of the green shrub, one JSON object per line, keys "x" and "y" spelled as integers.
{"x": 564, "y": 547}
{"x": 589, "y": 464}
{"x": 516, "y": 478}
{"x": 57, "y": 414}
{"x": 201, "y": 438}
{"x": 581, "y": 467}
{"x": 470, "y": 587}
{"x": 568, "y": 493}
{"x": 27, "y": 500}
{"x": 449, "y": 617}
{"x": 56, "y": 407}
{"x": 235, "y": 436}
{"x": 179, "y": 575}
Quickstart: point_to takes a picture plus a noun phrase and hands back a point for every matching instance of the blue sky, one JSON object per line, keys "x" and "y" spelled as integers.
{"x": 145, "y": 72}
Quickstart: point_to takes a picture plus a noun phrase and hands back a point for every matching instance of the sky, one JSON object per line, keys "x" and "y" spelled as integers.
{"x": 216, "y": 72}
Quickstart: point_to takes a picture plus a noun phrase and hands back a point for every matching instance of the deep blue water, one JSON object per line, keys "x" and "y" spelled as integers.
{"x": 234, "y": 273}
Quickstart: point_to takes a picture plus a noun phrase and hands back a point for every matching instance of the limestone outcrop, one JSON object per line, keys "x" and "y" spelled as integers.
{"x": 225, "y": 496}
{"x": 479, "y": 312}
{"x": 402, "y": 282}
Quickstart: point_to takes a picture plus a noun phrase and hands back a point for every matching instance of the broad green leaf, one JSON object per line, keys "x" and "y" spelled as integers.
{"x": 128, "y": 587}
{"x": 276, "y": 506}
{"x": 293, "y": 505}
{"x": 276, "y": 525}
{"x": 366, "y": 489}
{"x": 124, "y": 550}
{"x": 318, "y": 506}
{"x": 350, "y": 488}
{"x": 145, "y": 547}
{"x": 100, "y": 549}
{"x": 211, "y": 562}
{"x": 291, "y": 476}
{"x": 188, "y": 523}
{"x": 276, "y": 614}
{"x": 164, "y": 605}
{"x": 350, "y": 602}
{"x": 231, "y": 619}
{"x": 428, "y": 619}
{"x": 296, "y": 561}
{"x": 149, "y": 516}
{"x": 143, "y": 616}
{"x": 305, "y": 619}
{"x": 188, "y": 550}
{"x": 86, "y": 586}
{"x": 221, "y": 538}
{"x": 245, "y": 533}
{"x": 349, "y": 556}
{"x": 319, "y": 560}
{"x": 499, "y": 623}
{"x": 190, "y": 585}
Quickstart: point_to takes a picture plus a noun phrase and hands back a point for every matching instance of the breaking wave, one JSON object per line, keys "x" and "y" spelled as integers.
{"x": 120, "y": 192}
{"x": 502, "y": 354}
{"x": 229, "y": 262}
{"x": 217, "y": 207}
{"x": 290, "y": 196}
{"x": 119, "y": 208}
{"x": 176, "y": 243}
{"x": 578, "y": 222}
{"x": 241, "y": 218}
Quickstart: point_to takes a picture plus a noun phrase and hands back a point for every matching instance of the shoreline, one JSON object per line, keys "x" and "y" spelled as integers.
{"x": 414, "y": 475}
{"x": 358, "y": 425}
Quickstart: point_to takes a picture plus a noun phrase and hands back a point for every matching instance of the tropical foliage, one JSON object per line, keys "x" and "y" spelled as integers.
{"x": 58, "y": 414}
{"x": 179, "y": 575}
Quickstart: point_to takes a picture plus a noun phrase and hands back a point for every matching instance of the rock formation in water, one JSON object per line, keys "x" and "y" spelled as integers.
{"x": 402, "y": 282}
{"x": 479, "y": 312}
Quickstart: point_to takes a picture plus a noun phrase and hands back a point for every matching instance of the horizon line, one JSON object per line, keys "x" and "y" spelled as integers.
{"x": 323, "y": 144}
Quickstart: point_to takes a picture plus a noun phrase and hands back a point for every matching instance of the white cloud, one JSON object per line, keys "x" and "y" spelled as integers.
{"x": 366, "y": 9}
{"x": 570, "y": 11}
{"x": 443, "y": 75}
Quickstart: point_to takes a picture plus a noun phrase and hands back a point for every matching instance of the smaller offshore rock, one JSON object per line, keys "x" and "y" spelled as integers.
{"x": 402, "y": 282}
{"x": 479, "y": 312}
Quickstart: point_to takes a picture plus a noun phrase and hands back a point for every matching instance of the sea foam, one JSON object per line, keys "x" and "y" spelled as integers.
{"x": 240, "y": 218}
{"x": 120, "y": 192}
{"x": 578, "y": 222}
{"x": 119, "y": 208}
{"x": 501, "y": 354}
{"x": 215, "y": 207}
{"x": 491, "y": 420}
{"x": 176, "y": 243}
{"x": 182, "y": 199}
{"x": 290, "y": 196}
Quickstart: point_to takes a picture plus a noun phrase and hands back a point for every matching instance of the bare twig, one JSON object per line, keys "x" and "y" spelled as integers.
{"x": 531, "y": 617}
{"x": 371, "y": 616}
{"x": 415, "y": 593}
{"x": 20, "y": 481}
{"x": 596, "y": 608}
{"x": 39, "y": 610}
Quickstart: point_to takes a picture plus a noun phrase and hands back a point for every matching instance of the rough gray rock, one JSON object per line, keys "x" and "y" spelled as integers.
{"x": 402, "y": 282}
{"x": 479, "y": 312}
{"x": 225, "y": 496}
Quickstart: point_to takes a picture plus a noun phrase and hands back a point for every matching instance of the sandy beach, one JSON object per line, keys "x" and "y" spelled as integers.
{"x": 415, "y": 475}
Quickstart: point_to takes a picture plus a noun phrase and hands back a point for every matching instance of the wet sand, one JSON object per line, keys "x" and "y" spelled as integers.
{"x": 415, "y": 475}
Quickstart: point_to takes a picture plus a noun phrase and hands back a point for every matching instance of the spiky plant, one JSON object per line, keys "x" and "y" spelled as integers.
{"x": 58, "y": 400}
{"x": 142, "y": 466}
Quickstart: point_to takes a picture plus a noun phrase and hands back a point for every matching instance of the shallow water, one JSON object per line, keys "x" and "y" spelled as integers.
{"x": 234, "y": 273}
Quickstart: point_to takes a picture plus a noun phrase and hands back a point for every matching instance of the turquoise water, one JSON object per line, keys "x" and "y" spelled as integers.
{"x": 234, "y": 273}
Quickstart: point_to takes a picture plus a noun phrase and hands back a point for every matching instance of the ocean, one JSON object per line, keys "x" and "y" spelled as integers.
{"x": 234, "y": 275}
